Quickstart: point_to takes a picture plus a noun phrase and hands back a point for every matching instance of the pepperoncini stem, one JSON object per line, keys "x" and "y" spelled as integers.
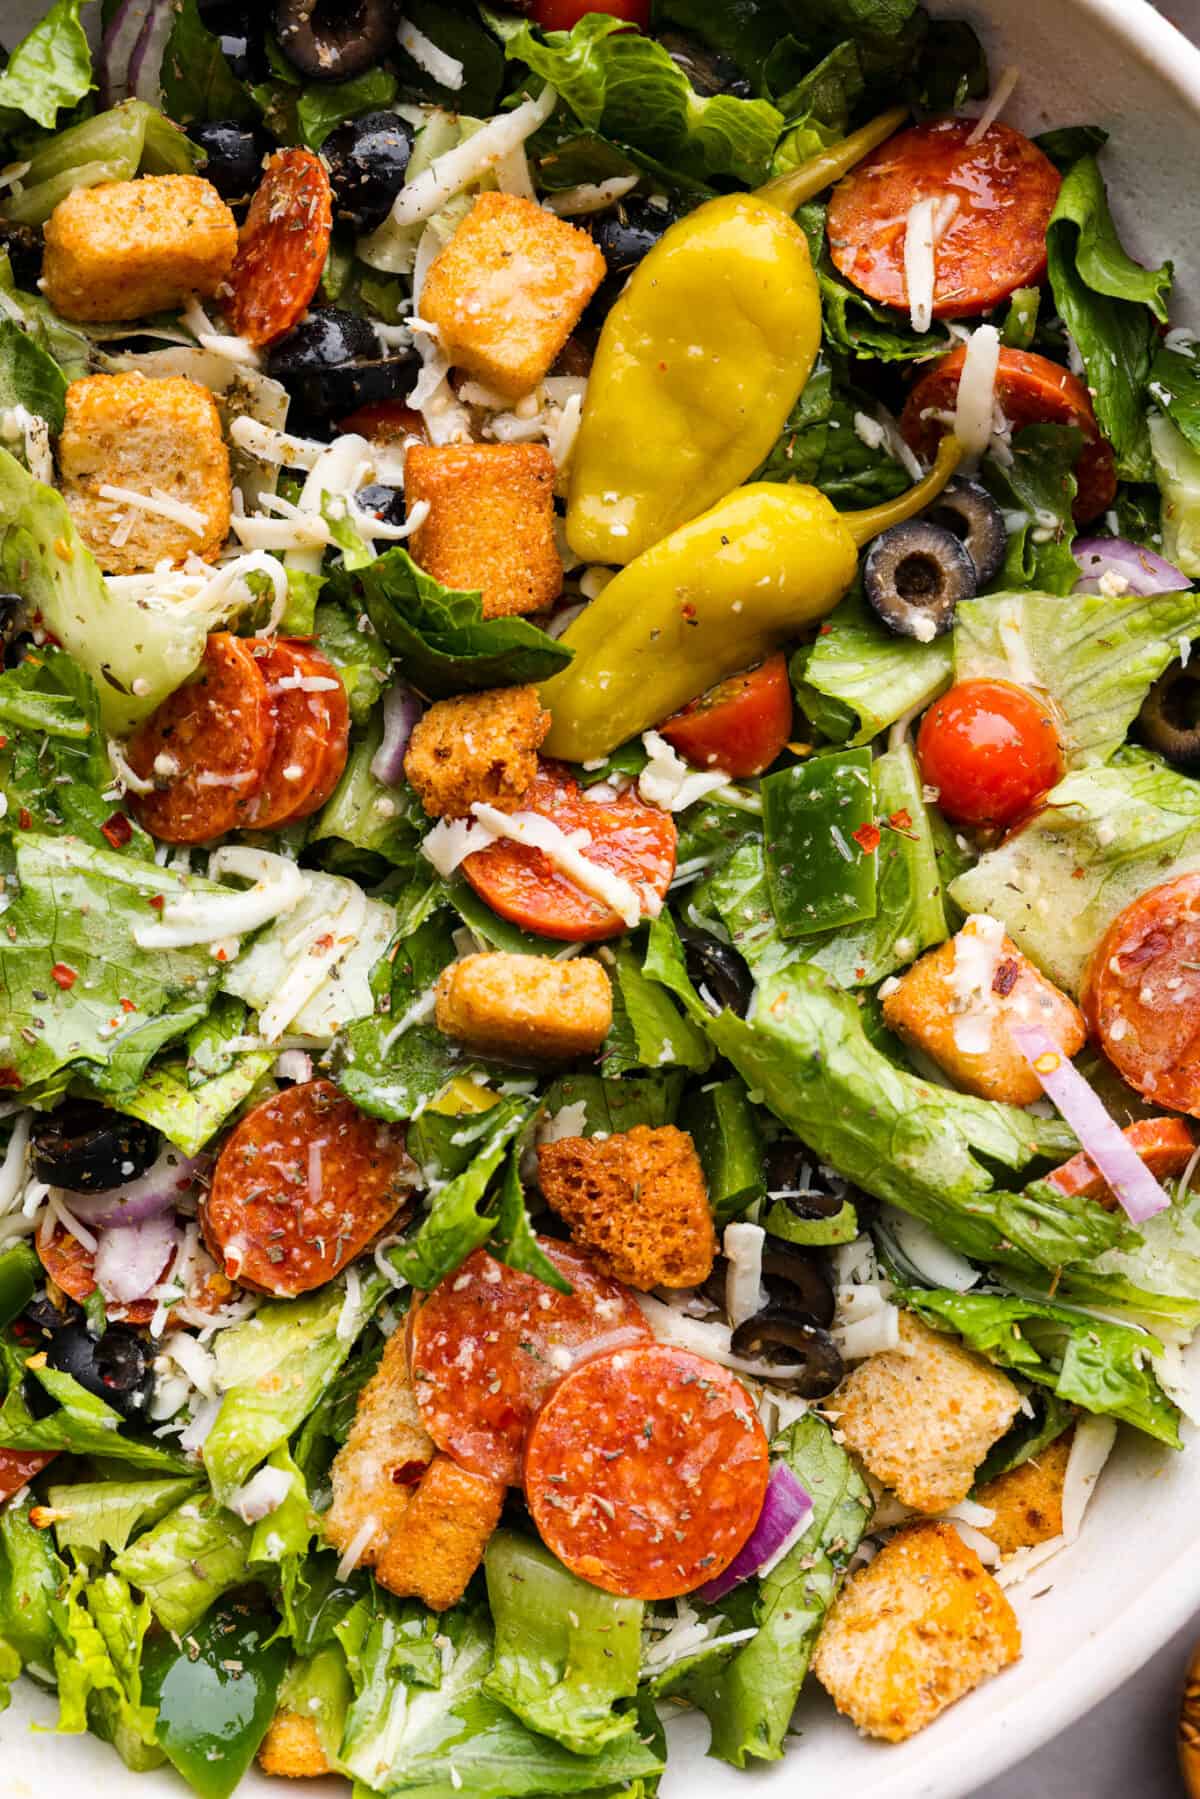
{"x": 863, "y": 526}
{"x": 819, "y": 172}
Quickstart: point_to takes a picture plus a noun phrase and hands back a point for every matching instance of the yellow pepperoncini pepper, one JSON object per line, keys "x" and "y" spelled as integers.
{"x": 717, "y": 595}
{"x": 701, "y": 360}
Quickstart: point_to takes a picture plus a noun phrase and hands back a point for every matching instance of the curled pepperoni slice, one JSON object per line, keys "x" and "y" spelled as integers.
{"x": 1142, "y": 994}
{"x": 301, "y": 1186}
{"x": 72, "y": 1266}
{"x": 624, "y": 836}
{"x": 283, "y": 247}
{"x": 18, "y": 1467}
{"x": 312, "y": 730}
{"x": 1030, "y": 390}
{"x": 206, "y": 748}
{"x": 646, "y": 1471}
{"x": 490, "y": 1342}
{"x": 1002, "y": 190}
{"x": 1166, "y": 1146}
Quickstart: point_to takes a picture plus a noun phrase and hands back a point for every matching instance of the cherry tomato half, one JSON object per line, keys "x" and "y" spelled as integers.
{"x": 739, "y": 726}
{"x": 563, "y": 15}
{"x": 991, "y": 749}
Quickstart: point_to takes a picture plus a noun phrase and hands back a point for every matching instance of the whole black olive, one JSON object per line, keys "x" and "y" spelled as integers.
{"x": 367, "y": 160}
{"x": 330, "y": 40}
{"x": 708, "y": 70}
{"x": 234, "y": 155}
{"x": 718, "y": 967}
{"x": 915, "y": 575}
{"x": 969, "y": 511}
{"x": 25, "y": 246}
{"x": 115, "y": 1367}
{"x": 794, "y": 1176}
{"x": 88, "y": 1148}
{"x": 779, "y": 1334}
{"x": 384, "y": 503}
{"x": 238, "y": 26}
{"x": 625, "y": 235}
{"x": 42, "y": 1320}
{"x": 1169, "y": 720}
{"x": 331, "y": 365}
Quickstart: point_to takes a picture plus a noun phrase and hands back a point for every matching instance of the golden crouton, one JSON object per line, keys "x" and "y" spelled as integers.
{"x": 508, "y": 290}
{"x": 292, "y": 1747}
{"x": 913, "y": 1632}
{"x": 959, "y": 1002}
{"x": 638, "y": 1200}
{"x": 923, "y": 1419}
{"x": 159, "y": 438}
{"x": 490, "y": 524}
{"x": 439, "y": 1543}
{"x": 1027, "y": 1500}
{"x": 509, "y": 1005}
{"x": 478, "y": 746}
{"x": 376, "y": 1471}
{"x": 129, "y": 248}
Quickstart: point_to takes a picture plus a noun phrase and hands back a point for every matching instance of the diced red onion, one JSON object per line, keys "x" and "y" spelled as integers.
{"x": 1099, "y": 1135}
{"x": 160, "y": 1188}
{"x": 132, "y": 1258}
{"x": 1145, "y": 572}
{"x": 401, "y": 710}
{"x": 785, "y": 1508}
{"x": 117, "y": 48}
{"x": 294, "y": 1065}
{"x": 145, "y": 65}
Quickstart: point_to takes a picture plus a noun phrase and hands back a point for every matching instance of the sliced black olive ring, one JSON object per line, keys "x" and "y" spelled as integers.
{"x": 233, "y": 155}
{"x": 781, "y": 1335}
{"x": 968, "y": 510}
{"x": 331, "y": 365}
{"x": 718, "y": 967}
{"x": 87, "y": 1148}
{"x": 330, "y": 40}
{"x": 1169, "y": 720}
{"x": 915, "y": 576}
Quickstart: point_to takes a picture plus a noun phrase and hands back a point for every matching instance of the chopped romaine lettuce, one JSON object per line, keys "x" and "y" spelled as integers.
{"x": 648, "y": 1028}
{"x": 197, "y": 81}
{"x": 105, "y": 1514}
{"x": 857, "y": 677}
{"x": 455, "y": 1223}
{"x": 599, "y": 1107}
{"x": 190, "y": 1116}
{"x": 31, "y": 1574}
{"x": 1177, "y": 471}
{"x": 512, "y": 1240}
{"x": 80, "y": 1423}
{"x": 191, "y": 1556}
{"x": 1035, "y": 487}
{"x": 30, "y": 377}
{"x": 97, "y": 1665}
{"x": 364, "y": 813}
{"x": 111, "y": 146}
{"x": 50, "y": 68}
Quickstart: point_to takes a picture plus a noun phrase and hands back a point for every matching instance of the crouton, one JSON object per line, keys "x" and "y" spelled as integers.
{"x": 439, "y": 1543}
{"x": 376, "y": 1471}
{"x": 1027, "y": 1500}
{"x": 913, "y": 1632}
{"x": 508, "y": 290}
{"x": 158, "y": 438}
{"x": 478, "y": 746}
{"x": 960, "y": 1001}
{"x": 490, "y": 524}
{"x": 128, "y": 248}
{"x": 638, "y": 1200}
{"x": 292, "y": 1747}
{"x": 923, "y": 1417}
{"x": 534, "y": 1006}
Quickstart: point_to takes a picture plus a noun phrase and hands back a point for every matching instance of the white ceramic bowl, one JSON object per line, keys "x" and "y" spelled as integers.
{"x": 1095, "y": 1614}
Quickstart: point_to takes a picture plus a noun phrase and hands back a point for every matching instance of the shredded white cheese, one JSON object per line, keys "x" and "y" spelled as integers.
{"x": 1000, "y": 96}
{"x": 193, "y": 918}
{"x": 973, "y": 1003}
{"x": 262, "y": 1494}
{"x": 975, "y": 405}
{"x": 590, "y": 196}
{"x": 462, "y": 166}
{"x": 742, "y": 1245}
{"x": 668, "y": 782}
{"x": 446, "y": 70}
{"x": 566, "y": 852}
{"x": 159, "y": 503}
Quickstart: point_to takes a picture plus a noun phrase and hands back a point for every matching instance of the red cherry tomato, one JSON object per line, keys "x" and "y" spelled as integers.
{"x": 739, "y": 726}
{"x": 563, "y": 15}
{"x": 991, "y": 749}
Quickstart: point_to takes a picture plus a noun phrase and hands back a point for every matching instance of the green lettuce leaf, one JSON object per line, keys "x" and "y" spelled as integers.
{"x": 819, "y": 445}
{"x": 190, "y": 1116}
{"x": 80, "y": 1423}
{"x": 1175, "y": 384}
{"x": 106, "y": 1514}
{"x": 858, "y": 678}
{"x": 1039, "y": 486}
{"x": 1177, "y": 472}
{"x": 469, "y": 44}
{"x": 30, "y": 377}
{"x": 513, "y": 1240}
{"x": 50, "y": 68}
{"x": 455, "y": 1224}
{"x": 191, "y": 1556}
{"x": 648, "y": 1028}
{"x": 619, "y": 1105}
{"x": 132, "y": 138}
{"x": 97, "y": 1666}
{"x": 197, "y": 81}
{"x": 323, "y": 104}
{"x": 351, "y": 645}
{"x": 365, "y": 814}
{"x": 819, "y": 877}
{"x": 30, "y": 1576}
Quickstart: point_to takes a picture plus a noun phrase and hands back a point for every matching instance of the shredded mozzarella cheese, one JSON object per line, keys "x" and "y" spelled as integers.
{"x": 975, "y": 405}
{"x": 1000, "y": 96}
{"x": 590, "y": 196}
{"x": 446, "y": 70}
{"x": 467, "y": 162}
{"x": 158, "y": 503}
{"x": 193, "y": 918}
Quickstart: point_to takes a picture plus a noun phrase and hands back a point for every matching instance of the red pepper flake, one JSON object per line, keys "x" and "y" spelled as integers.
{"x": 867, "y": 838}
{"x": 901, "y": 820}
{"x": 157, "y": 900}
{"x": 118, "y": 830}
{"x": 689, "y": 611}
{"x": 825, "y": 630}
{"x": 408, "y": 1473}
{"x": 222, "y": 955}
{"x": 3, "y": 743}
{"x": 127, "y": 1005}
{"x": 25, "y": 818}
{"x": 10, "y": 1078}
{"x": 64, "y": 974}
{"x": 1005, "y": 978}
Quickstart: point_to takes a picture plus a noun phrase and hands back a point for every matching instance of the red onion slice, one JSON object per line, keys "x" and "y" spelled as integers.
{"x": 1145, "y": 572}
{"x": 145, "y": 65}
{"x": 132, "y": 1258}
{"x": 786, "y": 1508}
{"x": 1099, "y": 1135}
{"x": 401, "y": 710}
{"x": 158, "y": 1190}
{"x": 117, "y": 48}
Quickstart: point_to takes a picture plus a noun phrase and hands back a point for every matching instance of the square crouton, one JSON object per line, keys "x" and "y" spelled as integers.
{"x": 1027, "y": 1500}
{"x": 129, "y": 248}
{"x": 913, "y": 1632}
{"x": 292, "y": 1747}
{"x": 440, "y": 1541}
{"x": 477, "y": 747}
{"x": 638, "y": 1200}
{"x": 508, "y": 290}
{"x": 923, "y": 1417}
{"x": 490, "y": 524}
{"x": 145, "y": 470}
{"x": 376, "y": 1471}
{"x": 526, "y": 1006}
{"x": 959, "y": 1002}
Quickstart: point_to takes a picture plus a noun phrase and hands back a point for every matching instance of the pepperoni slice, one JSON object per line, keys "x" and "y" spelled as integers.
{"x": 646, "y": 1471}
{"x": 312, "y": 731}
{"x": 1142, "y": 994}
{"x": 1166, "y": 1146}
{"x": 1030, "y": 390}
{"x": 213, "y": 738}
{"x": 994, "y": 241}
{"x": 283, "y": 247}
{"x": 627, "y": 837}
{"x": 301, "y": 1186}
{"x": 72, "y": 1267}
{"x": 490, "y": 1342}
{"x": 18, "y": 1466}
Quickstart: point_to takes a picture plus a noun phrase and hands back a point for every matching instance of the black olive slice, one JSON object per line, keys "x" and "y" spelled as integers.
{"x": 330, "y": 40}
{"x": 969, "y": 511}
{"x": 87, "y": 1148}
{"x": 384, "y": 503}
{"x": 1169, "y": 720}
{"x": 115, "y": 1367}
{"x": 914, "y": 577}
{"x": 794, "y": 1176}
{"x": 709, "y": 71}
{"x": 779, "y": 1334}
{"x": 719, "y": 968}
{"x": 625, "y": 234}
{"x": 368, "y": 161}
{"x": 798, "y": 1281}
{"x": 233, "y": 155}
{"x": 331, "y": 365}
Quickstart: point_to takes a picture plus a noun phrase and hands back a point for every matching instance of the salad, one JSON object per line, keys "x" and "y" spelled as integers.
{"x": 600, "y": 877}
